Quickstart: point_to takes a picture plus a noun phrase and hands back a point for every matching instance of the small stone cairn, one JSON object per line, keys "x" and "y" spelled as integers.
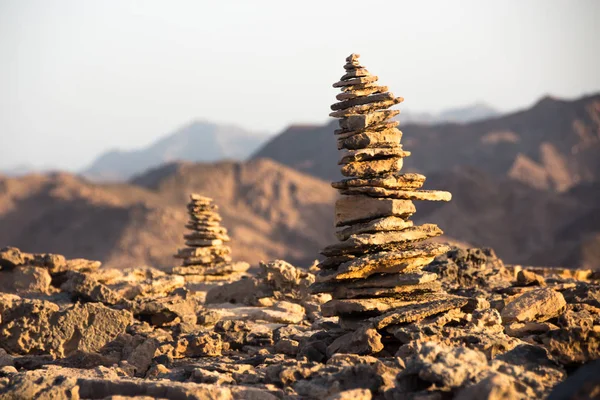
{"x": 374, "y": 273}
{"x": 206, "y": 255}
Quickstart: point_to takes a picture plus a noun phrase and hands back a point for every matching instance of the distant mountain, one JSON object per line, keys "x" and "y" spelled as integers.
{"x": 470, "y": 113}
{"x": 552, "y": 145}
{"x": 272, "y": 211}
{"x": 197, "y": 141}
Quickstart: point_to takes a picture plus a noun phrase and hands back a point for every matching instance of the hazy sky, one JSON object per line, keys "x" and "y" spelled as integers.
{"x": 79, "y": 77}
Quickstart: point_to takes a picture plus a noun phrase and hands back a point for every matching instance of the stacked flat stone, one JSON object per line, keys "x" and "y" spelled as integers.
{"x": 374, "y": 273}
{"x": 206, "y": 253}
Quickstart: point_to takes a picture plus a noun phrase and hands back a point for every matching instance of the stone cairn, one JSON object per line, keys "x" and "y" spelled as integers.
{"x": 374, "y": 273}
{"x": 206, "y": 255}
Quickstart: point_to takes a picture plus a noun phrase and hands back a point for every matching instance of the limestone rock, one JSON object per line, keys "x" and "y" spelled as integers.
{"x": 388, "y": 138}
{"x": 372, "y": 167}
{"x": 536, "y": 305}
{"x": 371, "y": 154}
{"x": 400, "y": 181}
{"x": 363, "y": 341}
{"x": 352, "y": 209}
{"x": 363, "y": 121}
{"x": 358, "y": 243}
{"x": 428, "y": 195}
{"x": 385, "y": 224}
{"x": 406, "y": 260}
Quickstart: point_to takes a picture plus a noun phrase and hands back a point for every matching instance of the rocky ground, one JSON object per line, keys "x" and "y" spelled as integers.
{"x": 70, "y": 329}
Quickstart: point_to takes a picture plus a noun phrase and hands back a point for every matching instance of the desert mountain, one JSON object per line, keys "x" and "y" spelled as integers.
{"x": 272, "y": 211}
{"x": 197, "y": 142}
{"x": 552, "y": 145}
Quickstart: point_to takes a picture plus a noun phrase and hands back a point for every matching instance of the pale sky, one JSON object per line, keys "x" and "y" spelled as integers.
{"x": 78, "y": 77}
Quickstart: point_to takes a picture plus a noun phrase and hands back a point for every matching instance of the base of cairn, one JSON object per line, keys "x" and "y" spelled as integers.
{"x": 206, "y": 257}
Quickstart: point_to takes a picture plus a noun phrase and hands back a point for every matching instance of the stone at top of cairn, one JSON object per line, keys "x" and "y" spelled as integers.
{"x": 374, "y": 272}
{"x": 206, "y": 253}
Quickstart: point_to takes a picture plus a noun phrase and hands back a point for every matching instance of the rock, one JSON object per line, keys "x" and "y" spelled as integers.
{"x": 528, "y": 278}
{"x": 418, "y": 311}
{"x": 583, "y": 384}
{"x": 26, "y": 279}
{"x": 355, "y": 81}
{"x": 386, "y": 262}
{"x": 537, "y": 305}
{"x": 202, "y": 345}
{"x": 428, "y": 195}
{"x": 351, "y": 209}
{"x": 363, "y": 341}
{"x": 375, "y": 225}
{"x": 365, "y": 108}
{"x": 287, "y": 346}
{"x": 6, "y": 360}
{"x": 371, "y": 154}
{"x": 494, "y": 387}
{"x": 358, "y": 244}
{"x": 354, "y": 394}
{"x": 360, "y": 100}
{"x": 392, "y": 181}
{"x": 363, "y": 121}
{"x": 522, "y": 329}
{"x": 84, "y": 287}
{"x": 168, "y": 311}
{"x": 387, "y": 138}
{"x": 11, "y": 257}
{"x": 573, "y": 345}
{"x": 43, "y": 388}
{"x": 443, "y": 365}
{"x": 369, "y": 168}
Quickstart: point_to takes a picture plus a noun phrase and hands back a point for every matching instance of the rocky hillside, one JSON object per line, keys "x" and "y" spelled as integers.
{"x": 552, "y": 145}
{"x": 197, "y": 141}
{"x": 270, "y": 210}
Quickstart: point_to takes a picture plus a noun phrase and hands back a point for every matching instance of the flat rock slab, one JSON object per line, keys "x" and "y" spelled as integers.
{"x": 207, "y": 235}
{"x": 362, "y": 100}
{"x": 372, "y": 139}
{"x": 356, "y": 244}
{"x": 344, "y": 133}
{"x": 356, "y": 81}
{"x": 361, "y": 92}
{"x": 366, "y": 108}
{"x": 355, "y": 73}
{"x": 352, "y": 209}
{"x": 407, "y": 260}
{"x": 376, "y": 281}
{"x": 214, "y": 269}
{"x": 203, "y": 242}
{"x": 536, "y": 305}
{"x": 402, "y": 292}
{"x": 366, "y": 307}
{"x": 369, "y": 168}
{"x": 392, "y": 181}
{"x": 363, "y": 121}
{"x": 416, "y": 312}
{"x": 427, "y": 195}
{"x": 203, "y": 251}
{"x": 375, "y": 225}
{"x": 372, "y": 153}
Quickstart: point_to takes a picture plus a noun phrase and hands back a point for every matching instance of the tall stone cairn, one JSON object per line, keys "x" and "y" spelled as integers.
{"x": 206, "y": 254}
{"x": 374, "y": 273}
